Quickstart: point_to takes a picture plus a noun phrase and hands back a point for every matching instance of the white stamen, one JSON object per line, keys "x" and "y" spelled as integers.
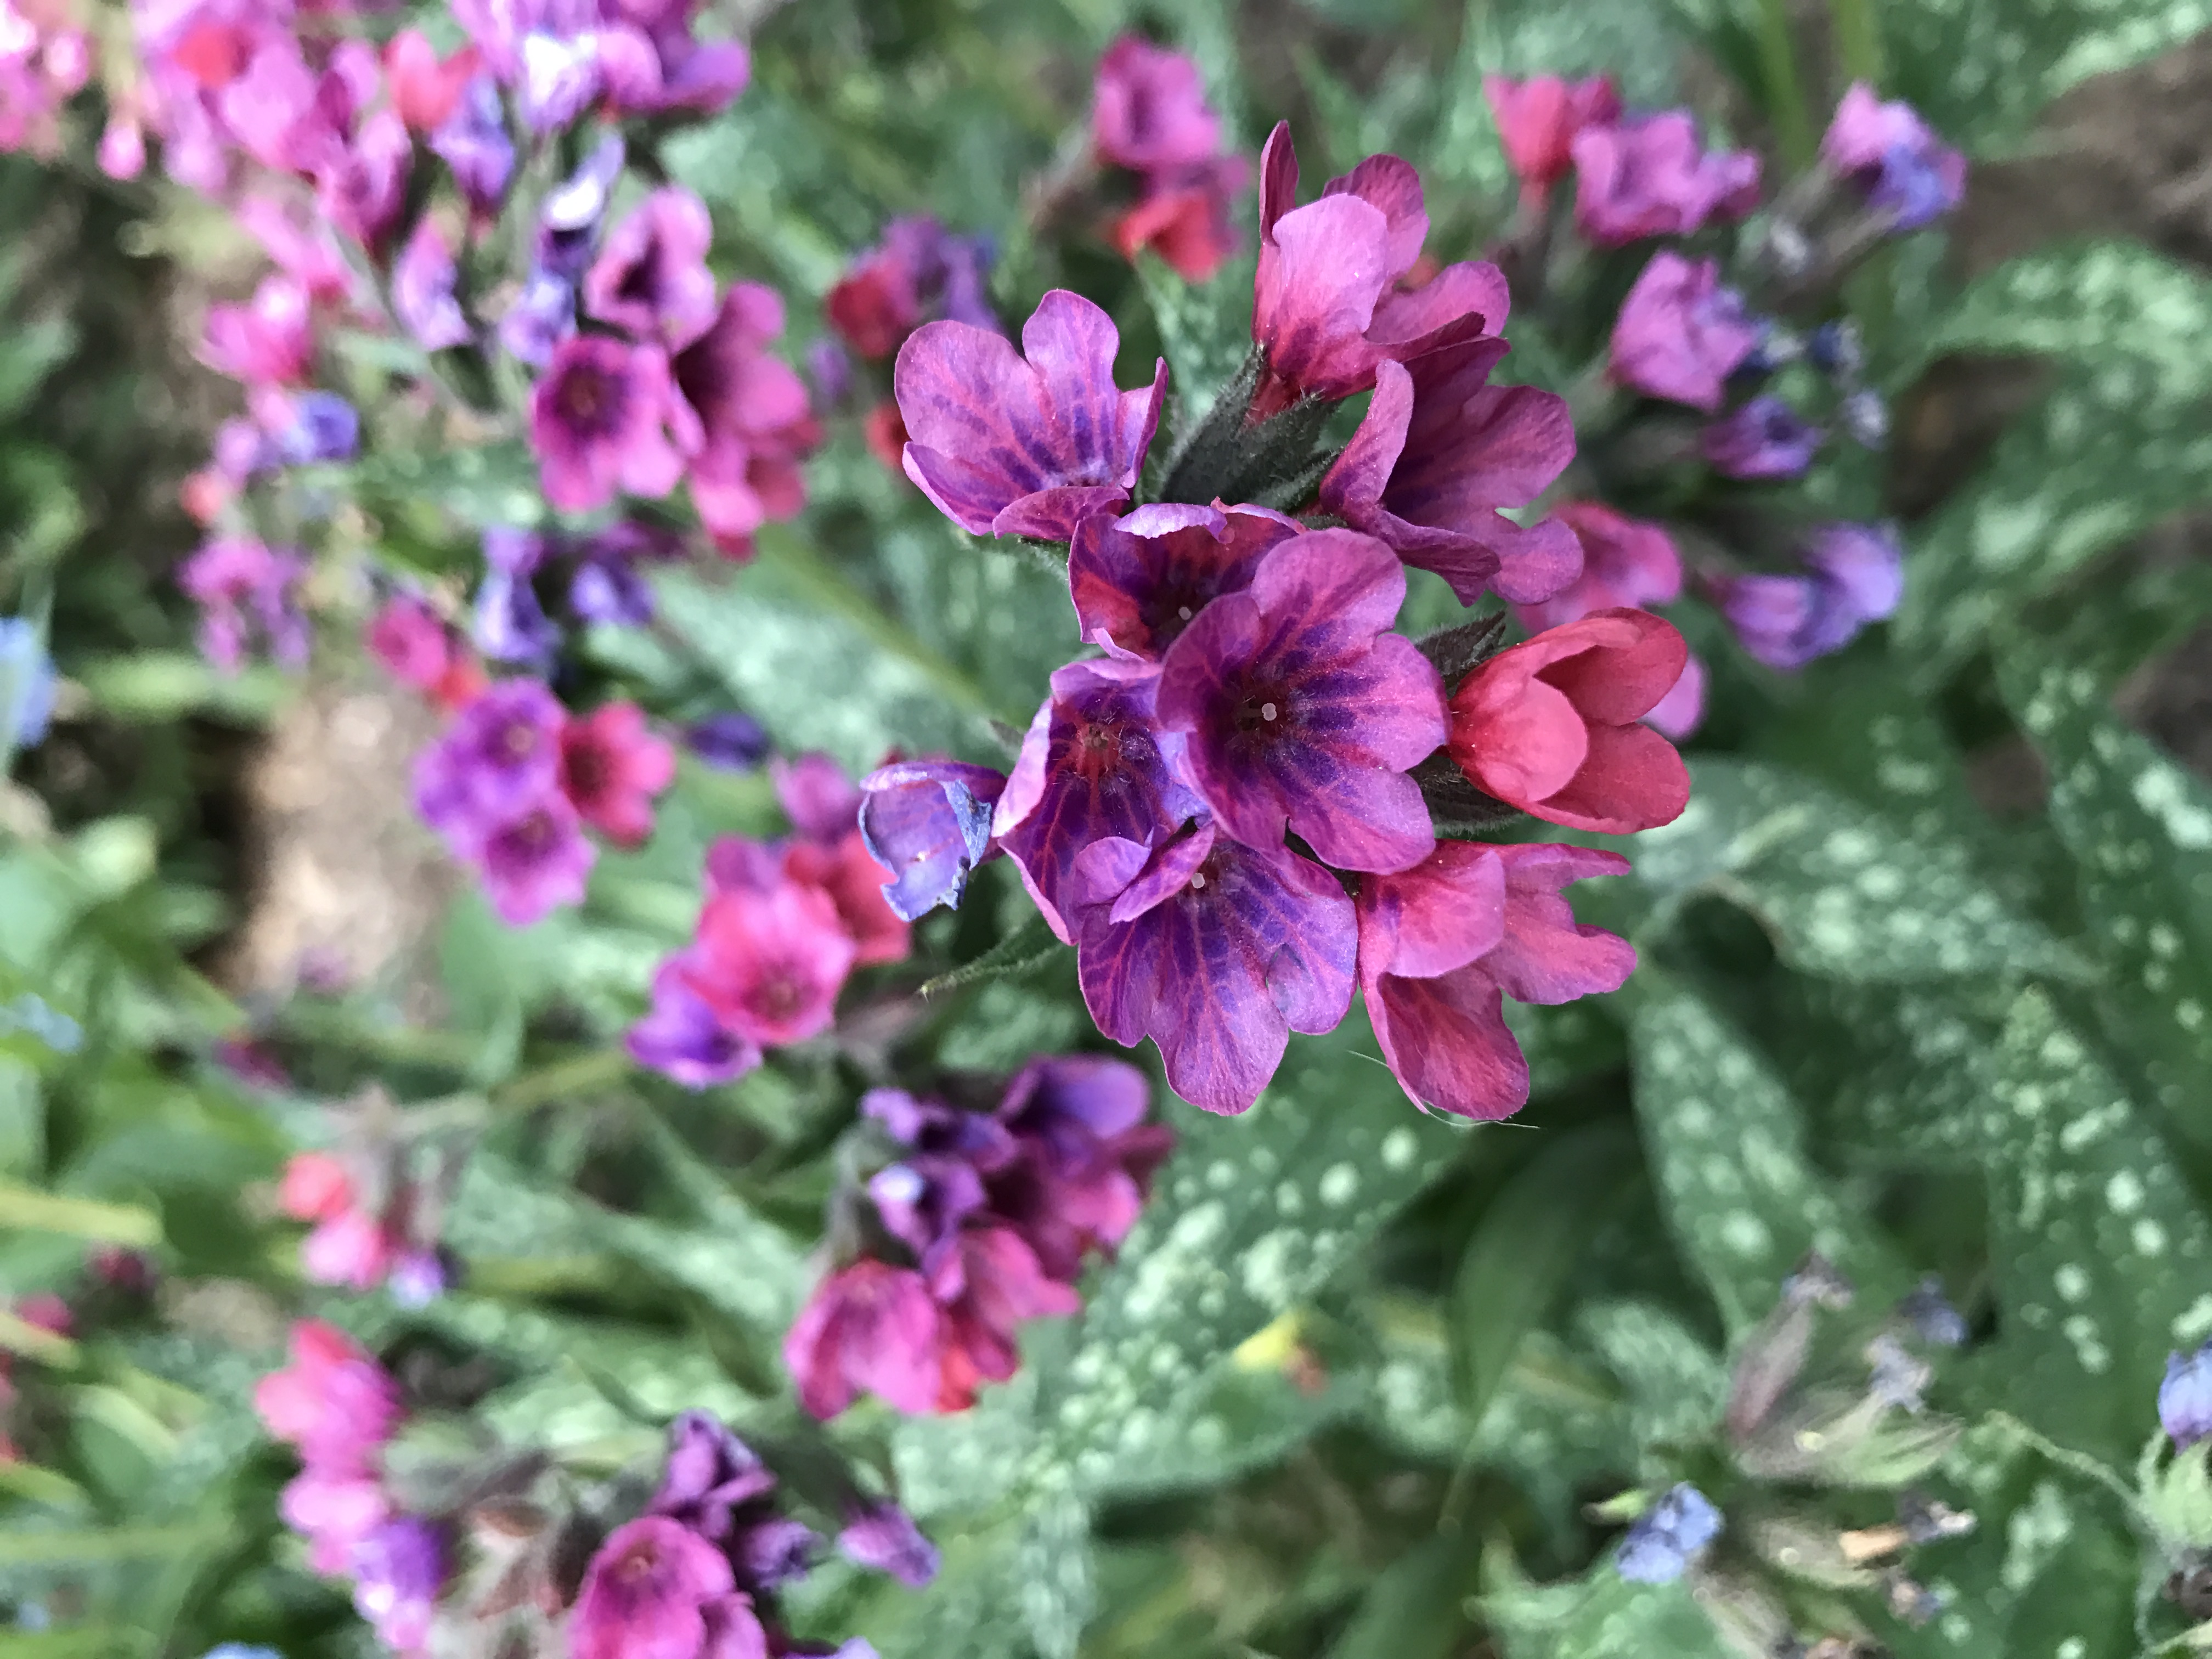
{"x": 1198, "y": 879}
{"x": 1266, "y": 711}
{"x": 1184, "y": 611}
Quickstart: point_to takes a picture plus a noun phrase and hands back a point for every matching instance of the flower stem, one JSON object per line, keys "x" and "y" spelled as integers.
{"x": 1785, "y": 94}
{"x": 596, "y": 1068}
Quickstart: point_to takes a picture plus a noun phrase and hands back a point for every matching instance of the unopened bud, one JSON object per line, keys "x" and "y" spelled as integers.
{"x": 1928, "y": 1520}
{"x": 1911, "y": 1601}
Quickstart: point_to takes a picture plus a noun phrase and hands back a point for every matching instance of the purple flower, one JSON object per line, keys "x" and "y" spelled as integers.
{"x": 1439, "y": 453}
{"x": 1648, "y": 177}
{"x": 928, "y": 824}
{"x": 1856, "y": 576}
{"x": 1301, "y": 706}
{"x": 502, "y": 753}
{"x": 568, "y": 219}
{"x": 1216, "y": 951}
{"x": 917, "y": 274}
{"x": 364, "y": 191}
{"x": 1667, "y": 1536}
{"x": 934, "y": 1129}
{"x": 532, "y": 863}
{"x": 473, "y": 141}
{"x": 1764, "y": 438}
{"x": 731, "y": 742}
{"x": 417, "y": 1277}
{"x": 424, "y": 279}
{"x": 559, "y": 76}
{"x": 868, "y": 1326}
{"x": 321, "y": 426}
{"x": 399, "y": 1570}
{"x": 1328, "y": 301}
{"x": 1094, "y": 764}
{"x": 1016, "y": 447}
{"x": 753, "y": 425}
{"x": 1680, "y": 334}
{"x": 246, "y": 589}
{"x": 652, "y": 278}
{"x": 680, "y": 1038}
{"x": 822, "y": 803}
{"x": 710, "y": 1475}
{"x": 644, "y": 1594}
{"x": 598, "y": 420}
{"x": 2184, "y": 1398}
{"x": 1138, "y": 581}
{"x": 1085, "y": 1157}
{"x": 1887, "y": 150}
{"x": 1148, "y": 111}
{"x": 539, "y": 318}
{"x": 884, "y": 1537}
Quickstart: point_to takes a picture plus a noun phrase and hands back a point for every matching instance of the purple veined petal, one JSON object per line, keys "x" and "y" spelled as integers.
{"x": 929, "y": 824}
{"x": 1393, "y": 188}
{"x": 1137, "y": 582}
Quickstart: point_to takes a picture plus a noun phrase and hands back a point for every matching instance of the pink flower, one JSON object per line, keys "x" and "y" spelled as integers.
{"x": 334, "y": 1511}
{"x": 1550, "y": 726}
{"x": 599, "y": 419}
{"x": 425, "y": 91}
{"x": 988, "y": 1284}
{"x": 745, "y": 420}
{"x": 652, "y": 278}
{"x": 333, "y": 1401}
{"x": 1680, "y": 334}
{"x": 644, "y": 1594}
{"x": 532, "y": 863}
{"x": 351, "y": 1248}
{"x": 1148, "y": 110}
{"x": 270, "y": 342}
{"x": 1538, "y": 118}
{"x": 1328, "y": 303}
{"x": 867, "y": 1327}
{"x": 1442, "y": 944}
{"x": 1186, "y": 217}
{"x": 852, "y": 881}
{"x": 1647, "y": 176}
{"x": 315, "y": 1186}
{"x": 770, "y": 963}
{"x": 612, "y": 767}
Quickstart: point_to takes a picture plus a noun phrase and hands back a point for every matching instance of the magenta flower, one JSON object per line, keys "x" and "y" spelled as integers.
{"x": 1094, "y": 764}
{"x": 1682, "y": 710}
{"x": 1186, "y": 217}
{"x": 884, "y": 1537}
{"x": 770, "y": 963}
{"x": 398, "y": 1571}
{"x": 917, "y": 273}
{"x": 532, "y": 863}
{"x": 928, "y": 823}
{"x": 598, "y": 420}
{"x": 363, "y": 191}
{"x": 1148, "y": 111}
{"x": 502, "y": 753}
{"x": 1537, "y": 121}
{"x": 334, "y": 1511}
{"x": 1216, "y": 951}
{"x": 1764, "y": 438}
{"x": 1439, "y": 451}
{"x": 1887, "y": 150}
{"x": 1085, "y": 1157}
{"x": 424, "y": 280}
{"x": 1330, "y": 302}
{"x": 988, "y": 1283}
{"x": 745, "y": 421}
{"x": 1138, "y": 581}
{"x": 652, "y": 278}
{"x": 822, "y": 803}
{"x": 1301, "y": 706}
{"x": 1015, "y": 447}
{"x": 1680, "y": 334}
{"x": 867, "y": 1327}
{"x": 612, "y": 767}
{"x": 644, "y": 1594}
{"x": 680, "y": 1038}
{"x": 1648, "y": 176}
{"x": 333, "y": 1400}
{"x": 246, "y": 591}
{"x": 270, "y": 342}
{"x": 1442, "y": 944}
{"x": 1625, "y": 562}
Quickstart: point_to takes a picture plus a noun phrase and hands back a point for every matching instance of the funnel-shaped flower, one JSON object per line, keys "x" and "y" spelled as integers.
{"x": 1216, "y": 951}
{"x": 1887, "y": 150}
{"x": 753, "y": 425}
{"x": 644, "y": 1592}
{"x": 869, "y": 1326}
{"x": 598, "y": 420}
{"x": 1680, "y": 334}
{"x": 1648, "y": 176}
{"x": 1856, "y": 575}
{"x": 770, "y": 963}
{"x": 1148, "y": 111}
{"x": 1012, "y": 446}
{"x": 928, "y": 823}
{"x": 424, "y": 280}
{"x": 652, "y": 278}
{"x": 1538, "y": 118}
{"x": 1551, "y": 726}
{"x": 612, "y": 767}
{"x": 1138, "y": 581}
{"x": 1300, "y": 706}
{"x": 1440, "y": 451}
{"x": 1328, "y": 304}
{"x": 987, "y": 1283}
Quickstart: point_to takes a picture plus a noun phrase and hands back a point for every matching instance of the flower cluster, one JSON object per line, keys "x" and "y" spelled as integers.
{"x": 249, "y": 595}
{"x": 919, "y": 273}
{"x": 784, "y": 925}
{"x": 45, "y": 61}
{"x": 1688, "y": 337}
{"x": 1231, "y": 815}
{"x": 340, "y": 1408}
{"x": 376, "y": 1202}
{"x": 1152, "y": 127}
{"x": 975, "y": 1224}
{"x": 516, "y": 779}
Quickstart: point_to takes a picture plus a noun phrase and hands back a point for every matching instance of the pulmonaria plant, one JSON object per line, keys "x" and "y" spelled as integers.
{"x": 1232, "y": 816}
{"x": 376, "y": 1201}
{"x": 1158, "y": 142}
{"x": 1751, "y": 337}
{"x": 972, "y": 1224}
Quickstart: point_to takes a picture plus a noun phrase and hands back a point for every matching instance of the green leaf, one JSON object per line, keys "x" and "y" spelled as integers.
{"x": 1206, "y": 331}
{"x": 1900, "y": 1065}
{"x": 1053, "y": 1561}
{"x": 1601, "y": 1617}
{"x": 1416, "y": 1609}
{"x": 1726, "y": 1146}
{"x": 2110, "y": 452}
{"x": 2094, "y": 302}
{"x": 1845, "y": 893}
{"x": 2140, "y": 828}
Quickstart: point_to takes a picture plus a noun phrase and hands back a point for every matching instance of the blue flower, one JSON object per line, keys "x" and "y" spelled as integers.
{"x": 1660, "y": 1546}
{"x": 27, "y": 683}
{"x": 240, "y": 1651}
{"x": 2184, "y": 1399}
{"x": 1931, "y": 1314}
{"x": 733, "y": 742}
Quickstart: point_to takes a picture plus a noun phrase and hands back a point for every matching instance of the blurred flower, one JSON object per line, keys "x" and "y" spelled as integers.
{"x": 246, "y": 591}
{"x": 1647, "y": 176}
{"x": 1764, "y": 438}
{"x": 318, "y": 427}
{"x": 27, "y": 683}
{"x": 744, "y": 420}
{"x": 869, "y": 1327}
{"x": 269, "y": 341}
{"x": 884, "y": 1537}
{"x": 1930, "y": 1316}
{"x": 1186, "y": 217}
{"x": 1668, "y": 1537}
{"x": 473, "y": 141}
{"x": 651, "y": 279}
{"x": 611, "y": 766}
{"x": 918, "y": 273}
{"x": 1887, "y": 150}
{"x": 729, "y": 742}
{"x": 333, "y": 1401}
{"x": 599, "y": 420}
{"x": 1855, "y": 576}
{"x": 681, "y": 1038}
{"x": 769, "y": 964}
{"x": 1537, "y": 121}
{"x": 1148, "y": 109}
{"x": 399, "y": 1570}
{"x": 425, "y": 91}
{"x": 2184, "y": 1398}
{"x": 1681, "y": 335}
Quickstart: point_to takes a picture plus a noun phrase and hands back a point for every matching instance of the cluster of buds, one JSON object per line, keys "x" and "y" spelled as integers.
{"x": 1818, "y": 1398}
{"x": 970, "y": 1223}
{"x": 784, "y": 926}
{"x": 495, "y": 1551}
{"x": 1233, "y": 815}
{"x": 1750, "y": 342}
{"x": 376, "y": 1202}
